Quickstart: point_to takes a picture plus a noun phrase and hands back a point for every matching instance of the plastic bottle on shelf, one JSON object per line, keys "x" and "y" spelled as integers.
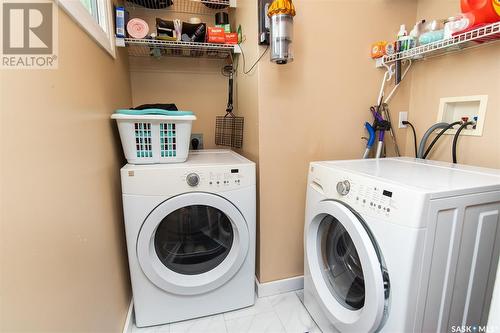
{"x": 402, "y": 38}
{"x": 402, "y": 31}
{"x": 414, "y": 34}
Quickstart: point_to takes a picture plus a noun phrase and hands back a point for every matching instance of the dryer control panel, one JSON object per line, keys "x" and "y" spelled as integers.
{"x": 214, "y": 179}
{"x": 176, "y": 179}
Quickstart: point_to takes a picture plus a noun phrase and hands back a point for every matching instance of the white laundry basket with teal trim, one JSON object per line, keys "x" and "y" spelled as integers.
{"x": 154, "y": 136}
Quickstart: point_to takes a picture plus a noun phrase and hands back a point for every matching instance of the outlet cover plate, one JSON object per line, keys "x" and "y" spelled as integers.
{"x": 198, "y": 136}
{"x": 403, "y": 116}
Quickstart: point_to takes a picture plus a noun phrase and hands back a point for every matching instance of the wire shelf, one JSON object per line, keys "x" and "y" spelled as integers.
{"x": 160, "y": 48}
{"x": 200, "y": 7}
{"x": 482, "y": 35}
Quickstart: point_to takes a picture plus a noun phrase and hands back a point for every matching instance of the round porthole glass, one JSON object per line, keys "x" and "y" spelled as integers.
{"x": 194, "y": 239}
{"x": 341, "y": 264}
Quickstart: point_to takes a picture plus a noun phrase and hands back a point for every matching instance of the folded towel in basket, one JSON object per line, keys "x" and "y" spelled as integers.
{"x": 153, "y": 112}
{"x": 168, "y": 107}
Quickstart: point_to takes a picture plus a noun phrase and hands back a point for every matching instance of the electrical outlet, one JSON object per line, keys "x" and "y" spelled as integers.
{"x": 199, "y": 137}
{"x": 403, "y": 116}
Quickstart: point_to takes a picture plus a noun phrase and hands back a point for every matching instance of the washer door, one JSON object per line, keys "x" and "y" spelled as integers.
{"x": 346, "y": 268}
{"x": 192, "y": 243}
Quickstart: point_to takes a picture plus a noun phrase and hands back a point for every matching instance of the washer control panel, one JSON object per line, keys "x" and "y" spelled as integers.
{"x": 369, "y": 197}
{"x": 373, "y": 198}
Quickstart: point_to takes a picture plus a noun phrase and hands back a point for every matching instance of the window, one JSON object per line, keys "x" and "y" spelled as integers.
{"x": 95, "y": 17}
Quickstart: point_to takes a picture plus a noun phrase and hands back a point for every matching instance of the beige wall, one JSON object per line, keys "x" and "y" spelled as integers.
{"x": 193, "y": 85}
{"x": 247, "y": 101}
{"x": 472, "y": 72}
{"x": 63, "y": 256}
{"x": 315, "y": 109}
{"x": 247, "y": 93}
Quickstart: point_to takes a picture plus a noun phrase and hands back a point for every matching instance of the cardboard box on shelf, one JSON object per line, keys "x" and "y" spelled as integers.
{"x": 216, "y": 35}
{"x": 232, "y": 38}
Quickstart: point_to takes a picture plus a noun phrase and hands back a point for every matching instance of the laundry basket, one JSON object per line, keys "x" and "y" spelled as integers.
{"x": 154, "y": 136}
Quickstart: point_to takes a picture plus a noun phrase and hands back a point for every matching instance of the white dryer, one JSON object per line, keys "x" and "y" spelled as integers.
{"x": 190, "y": 231}
{"x": 400, "y": 245}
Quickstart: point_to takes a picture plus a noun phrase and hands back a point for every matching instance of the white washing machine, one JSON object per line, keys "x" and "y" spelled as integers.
{"x": 190, "y": 231}
{"x": 400, "y": 245}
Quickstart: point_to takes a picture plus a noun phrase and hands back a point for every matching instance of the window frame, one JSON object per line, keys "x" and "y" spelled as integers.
{"x": 79, "y": 13}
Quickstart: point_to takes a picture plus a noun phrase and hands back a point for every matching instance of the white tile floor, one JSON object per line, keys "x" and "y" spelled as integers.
{"x": 273, "y": 314}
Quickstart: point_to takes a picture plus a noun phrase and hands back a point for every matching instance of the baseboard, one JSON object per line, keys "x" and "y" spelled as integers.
{"x": 279, "y": 286}
{"x": 127, "y": 326}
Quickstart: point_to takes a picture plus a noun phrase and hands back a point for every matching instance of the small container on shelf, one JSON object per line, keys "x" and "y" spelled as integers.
{"x": 232, "y": 38}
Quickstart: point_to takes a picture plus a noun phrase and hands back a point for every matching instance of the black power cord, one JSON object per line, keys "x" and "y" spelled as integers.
{"x": 405, "y": 122}
{"x": 246, "y": 72}
{"x": 455, "y": 139}
{"x": 440, "y": 134}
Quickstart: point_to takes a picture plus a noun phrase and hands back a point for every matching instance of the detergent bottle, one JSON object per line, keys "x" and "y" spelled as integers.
{"x": 483, "y": 11}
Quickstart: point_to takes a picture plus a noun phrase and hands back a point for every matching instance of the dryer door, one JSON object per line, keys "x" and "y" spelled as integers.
{"x": 346, "y": 268}
{"x": 192, "y": 243}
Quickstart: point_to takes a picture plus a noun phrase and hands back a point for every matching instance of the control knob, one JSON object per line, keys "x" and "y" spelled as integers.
{"x": 193, "y": 179}
{"x": 343, "y": 187}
